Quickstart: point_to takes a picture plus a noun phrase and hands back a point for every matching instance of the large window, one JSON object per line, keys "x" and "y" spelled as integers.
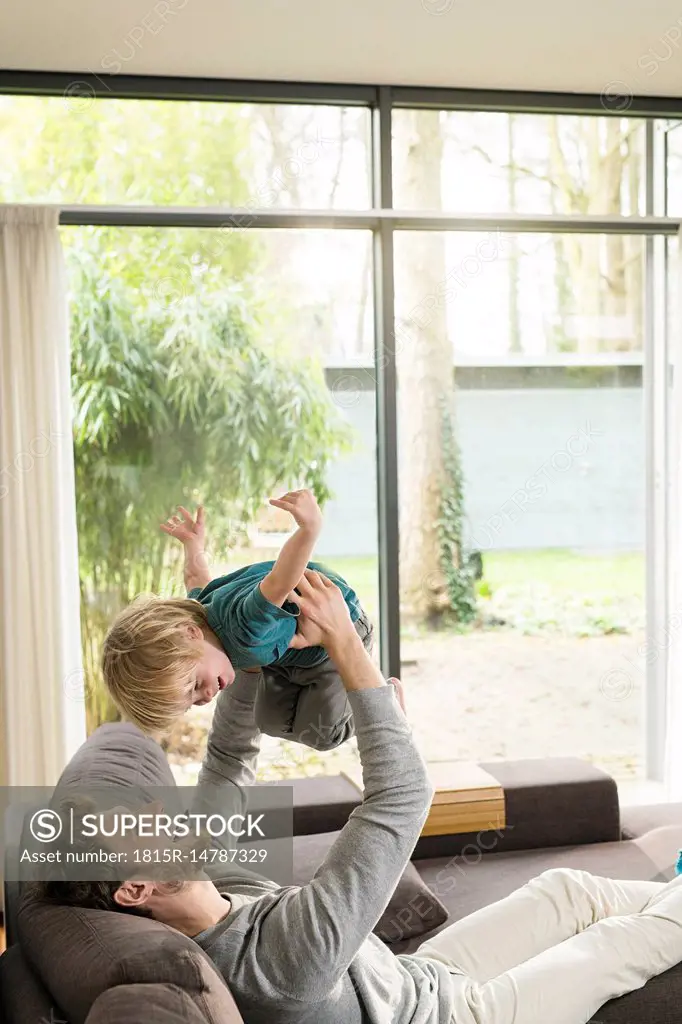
{"x": 491, "y": 476}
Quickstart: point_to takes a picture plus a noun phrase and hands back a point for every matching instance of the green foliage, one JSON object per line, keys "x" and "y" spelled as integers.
{"x": 177, "y": 405}
{"x": 80, "y": 150}
{"x": 459, "y": 572}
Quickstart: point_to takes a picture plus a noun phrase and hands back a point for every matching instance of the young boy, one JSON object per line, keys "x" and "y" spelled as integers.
{"x": 162, "y": 655}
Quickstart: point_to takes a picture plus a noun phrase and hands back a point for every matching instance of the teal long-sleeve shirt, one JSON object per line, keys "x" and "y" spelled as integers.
{"x": 255, "y": 632}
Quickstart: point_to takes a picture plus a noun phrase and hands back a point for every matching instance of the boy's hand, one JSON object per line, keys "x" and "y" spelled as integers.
{"x": 189, "y": 531}
{"x": 399, "y": 692}
{"x": 303, "y": 507}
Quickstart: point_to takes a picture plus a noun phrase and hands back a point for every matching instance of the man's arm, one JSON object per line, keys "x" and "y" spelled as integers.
{"x": 295, "y": 554}
{"x": 311, "y": 936}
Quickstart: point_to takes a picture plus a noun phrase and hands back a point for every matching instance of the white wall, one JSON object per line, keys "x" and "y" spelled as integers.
{"x": 587, "y": 46}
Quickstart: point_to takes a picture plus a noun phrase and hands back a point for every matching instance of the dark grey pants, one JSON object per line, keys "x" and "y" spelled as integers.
{"x": 308, "y": 705}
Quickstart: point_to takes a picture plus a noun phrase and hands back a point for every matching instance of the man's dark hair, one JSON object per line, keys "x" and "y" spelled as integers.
{"x": 91, "y": 895}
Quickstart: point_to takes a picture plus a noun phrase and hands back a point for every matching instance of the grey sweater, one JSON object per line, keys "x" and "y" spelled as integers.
{"x": 307, "y": 954}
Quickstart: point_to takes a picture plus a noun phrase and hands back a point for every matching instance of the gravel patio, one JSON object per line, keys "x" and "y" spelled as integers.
{"x": 486, "y": 696}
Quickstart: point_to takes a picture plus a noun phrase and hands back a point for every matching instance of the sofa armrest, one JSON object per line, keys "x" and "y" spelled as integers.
{"x": 23, "y": 997}
{"x": 637, "y": 821}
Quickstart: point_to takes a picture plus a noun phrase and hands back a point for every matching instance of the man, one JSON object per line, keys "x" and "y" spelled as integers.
{"x": 554, "y": 951}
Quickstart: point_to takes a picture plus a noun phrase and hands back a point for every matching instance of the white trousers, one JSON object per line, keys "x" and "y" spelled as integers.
{"x": 559, "y": 948}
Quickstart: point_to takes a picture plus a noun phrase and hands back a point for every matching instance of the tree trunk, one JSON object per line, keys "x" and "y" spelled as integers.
{"x": 581, "y": 251}
{"x": 634, "y": 290}
{"x": 615, "y": 306}
{"x": 514, "y": 325}
{"x": 425, "y": 369}
{"x": 557, "y": 334}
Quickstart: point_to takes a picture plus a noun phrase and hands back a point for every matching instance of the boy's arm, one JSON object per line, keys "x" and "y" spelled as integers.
{"x": 310, "y": 937}
{"x": 191, "y": 533}
{"x": 197, "y": 573}
{"x": 295, "y": 555}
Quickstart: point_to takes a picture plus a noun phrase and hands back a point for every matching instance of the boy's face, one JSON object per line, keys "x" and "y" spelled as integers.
{"x": 213, "y": 673}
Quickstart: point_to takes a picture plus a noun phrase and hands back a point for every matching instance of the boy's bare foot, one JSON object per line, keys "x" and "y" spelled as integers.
{"x": 399, "y": 692}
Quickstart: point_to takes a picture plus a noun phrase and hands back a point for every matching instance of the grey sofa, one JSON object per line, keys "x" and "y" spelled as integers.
{"x": 78, "y": 966}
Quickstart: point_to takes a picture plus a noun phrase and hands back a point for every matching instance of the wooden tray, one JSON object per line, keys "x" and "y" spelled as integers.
{"x": 467, "y": 798}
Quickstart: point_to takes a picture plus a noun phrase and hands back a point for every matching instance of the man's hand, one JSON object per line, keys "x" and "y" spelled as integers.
{"x": 325, "y": 618}
{"x": 190, "y": 531}
{"x": 303, "y": 507}
{"x": 307, "y": 634}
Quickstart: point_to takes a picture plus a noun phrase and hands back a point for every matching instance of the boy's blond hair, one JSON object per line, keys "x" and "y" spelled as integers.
{"x": 149, "y": 658}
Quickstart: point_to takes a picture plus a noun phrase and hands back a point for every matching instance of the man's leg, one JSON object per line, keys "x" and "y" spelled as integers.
{"x": 548, "y": 910}
{"x": 567, "y": 943}
{"x": 570, "y": 982}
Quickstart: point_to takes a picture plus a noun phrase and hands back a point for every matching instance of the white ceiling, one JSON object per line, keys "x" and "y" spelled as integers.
{"x": 582, "y": 46}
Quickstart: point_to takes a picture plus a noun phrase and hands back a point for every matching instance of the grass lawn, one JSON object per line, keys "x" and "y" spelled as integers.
{"x": 568, "y": 571}
{"x": 582, "y": 575}
{"x": 563, "y": 571}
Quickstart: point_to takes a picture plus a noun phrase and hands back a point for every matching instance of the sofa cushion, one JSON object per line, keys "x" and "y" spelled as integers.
{"x": 413, "y": 909}
{"x": 658, "y": 1002}
{"x": 322, "y": 803}
{"x": 145, "y": 1004}
{"x": 79, "y": 954}
{"x": 465, "y": 883}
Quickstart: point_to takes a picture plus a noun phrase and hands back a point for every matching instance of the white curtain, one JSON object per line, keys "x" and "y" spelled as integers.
{"x": 674, "y": 625}
{"x": 42, "y": 713}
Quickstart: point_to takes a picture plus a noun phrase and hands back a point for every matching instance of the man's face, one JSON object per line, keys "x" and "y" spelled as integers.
{"x": 190, "y": 906}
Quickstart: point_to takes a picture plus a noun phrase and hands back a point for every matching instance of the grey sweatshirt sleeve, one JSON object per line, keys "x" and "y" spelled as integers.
{"x": 234, "y": 738}
{"x": 232, "y": 749}
{"x": 309, "y": 938}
